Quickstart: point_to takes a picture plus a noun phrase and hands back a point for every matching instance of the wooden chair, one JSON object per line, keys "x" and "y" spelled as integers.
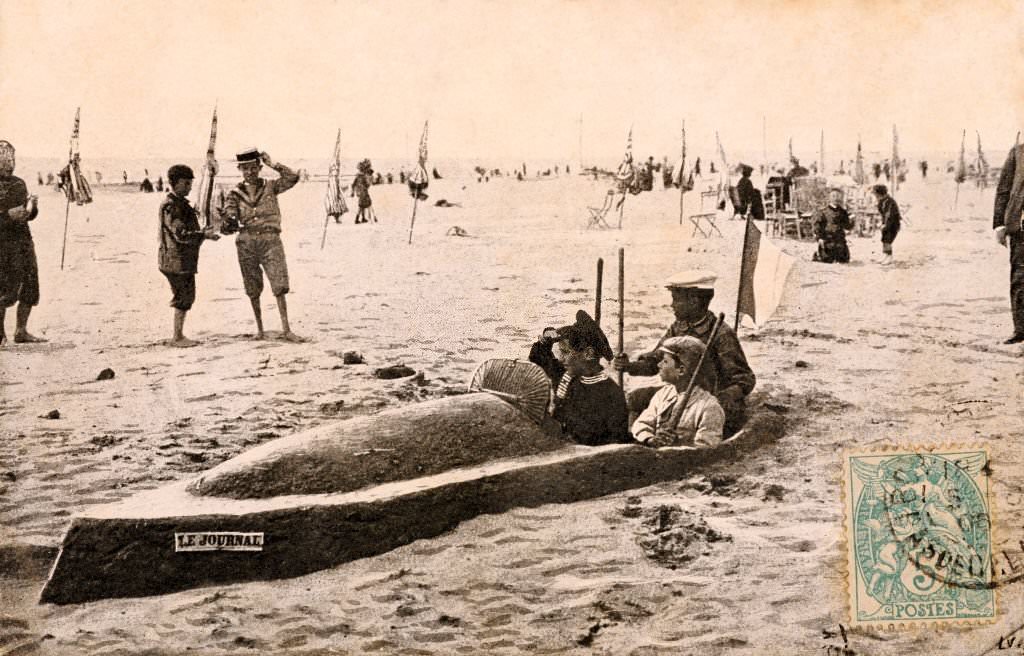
{"x": 707, "y": 216}
{"x": 772, "y": 211}
{"x": 598, "y": 214}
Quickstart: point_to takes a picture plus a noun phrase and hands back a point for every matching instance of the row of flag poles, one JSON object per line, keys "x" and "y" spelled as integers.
{"x": 763, "y": 271}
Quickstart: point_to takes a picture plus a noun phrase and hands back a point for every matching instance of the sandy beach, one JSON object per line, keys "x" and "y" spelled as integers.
{"x": 858, "y": 355}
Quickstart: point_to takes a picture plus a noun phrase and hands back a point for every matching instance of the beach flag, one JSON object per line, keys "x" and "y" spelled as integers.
{"x": 626, "y": 175}
{"x": 77, "y": 187}
{"x": 334, "y": 201}
{"x": 204, "y": 193}
{"x": 763, "y": 273}
{"x": 626, "y": 170}
{"x": 721, "y": 153}
{"x": 419, "y": 175}
{"x": 418, "y": 179}
{"x": 858, "y": 173}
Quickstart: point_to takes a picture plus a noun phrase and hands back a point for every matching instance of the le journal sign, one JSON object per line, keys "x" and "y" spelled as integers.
{"x": 218, "y": 541}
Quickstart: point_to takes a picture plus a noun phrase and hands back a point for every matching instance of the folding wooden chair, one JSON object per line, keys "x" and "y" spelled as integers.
{"x": 598, "y": 214}
{"x": 703, "y": 215}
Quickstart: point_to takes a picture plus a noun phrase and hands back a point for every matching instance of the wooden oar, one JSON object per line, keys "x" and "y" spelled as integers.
{"x": 597, "y": 297}
{"x": 703, "y": 356}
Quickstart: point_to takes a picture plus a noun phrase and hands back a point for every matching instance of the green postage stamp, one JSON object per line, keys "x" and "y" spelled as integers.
{"x": 918, "y": 536}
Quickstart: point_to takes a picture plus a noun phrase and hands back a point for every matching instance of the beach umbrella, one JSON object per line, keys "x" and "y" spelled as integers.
{"x": 76, "y": 187}
{"x": 858, "y": 174}
{"x": 334, "y": 201}
{"x": 205, "y": 191}
{"x": 418, "y": 179}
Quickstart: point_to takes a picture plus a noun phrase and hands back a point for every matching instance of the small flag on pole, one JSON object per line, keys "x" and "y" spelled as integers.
{"x": 763, "y": 274}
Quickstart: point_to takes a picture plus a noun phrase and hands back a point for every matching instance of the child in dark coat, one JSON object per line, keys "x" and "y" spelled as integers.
{"x": 588, "y": 405}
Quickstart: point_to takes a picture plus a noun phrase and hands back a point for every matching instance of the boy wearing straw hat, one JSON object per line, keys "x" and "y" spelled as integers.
{"x": 252, "y": 211}
{"x": 19, "y": 274}
{"x": 666, "y": 421}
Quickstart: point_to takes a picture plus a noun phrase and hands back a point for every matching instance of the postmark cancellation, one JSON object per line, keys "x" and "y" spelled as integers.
{"x": 918, "y": 529}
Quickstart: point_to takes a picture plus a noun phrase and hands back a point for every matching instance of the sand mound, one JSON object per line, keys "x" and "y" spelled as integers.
{"x": 671, "y": 536}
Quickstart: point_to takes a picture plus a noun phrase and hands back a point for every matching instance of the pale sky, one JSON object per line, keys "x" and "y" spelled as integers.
{"x": 507, "y": 79}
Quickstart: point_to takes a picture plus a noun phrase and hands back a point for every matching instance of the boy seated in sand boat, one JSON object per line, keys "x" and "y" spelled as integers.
{"x": 666, "y": 421}
{"x": 589, "y": 407}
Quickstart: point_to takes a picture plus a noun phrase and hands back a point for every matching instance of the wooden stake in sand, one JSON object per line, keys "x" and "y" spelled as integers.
{"x": 622, "y": 310}
{"x": 418, "y": 179}
{"x": 597, "y": 295}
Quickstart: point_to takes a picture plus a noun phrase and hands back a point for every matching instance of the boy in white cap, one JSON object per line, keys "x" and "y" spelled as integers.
{"x": 731, "y": 378}
{"x": 665, "y": 421}
{"x": 19, "y": 273}
{"x": 251, "y": 209}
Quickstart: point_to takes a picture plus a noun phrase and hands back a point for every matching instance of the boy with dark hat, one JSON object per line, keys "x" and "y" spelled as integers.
{"x": 731, "y": 378}
{"x": 889, "y": 212}
{"x": 590, "y": 408}
{"x": 666, "y": 421}
{"x": 251, "y": 209}
{"x": 19, "y": 273}
{"x": 180, "y": 239}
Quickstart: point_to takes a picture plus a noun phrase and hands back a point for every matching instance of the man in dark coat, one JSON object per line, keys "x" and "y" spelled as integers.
{"x": 1006, "y": 221}
{"x": 749, "y": 198}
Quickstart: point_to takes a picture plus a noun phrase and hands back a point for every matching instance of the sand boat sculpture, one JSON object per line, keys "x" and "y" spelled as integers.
{"x": 358, "y": 488}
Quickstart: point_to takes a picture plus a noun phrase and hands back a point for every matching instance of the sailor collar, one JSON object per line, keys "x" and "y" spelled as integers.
{"x": 700, "y": 327}
{"x": 261, "y": 186}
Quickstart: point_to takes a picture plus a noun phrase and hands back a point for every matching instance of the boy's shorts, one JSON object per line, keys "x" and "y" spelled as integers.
{"x": 259, "y": 252}
{"x": 183, "y": 286}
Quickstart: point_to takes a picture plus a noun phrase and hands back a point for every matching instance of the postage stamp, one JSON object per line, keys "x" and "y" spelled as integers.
{"x": 919, "y": 536}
